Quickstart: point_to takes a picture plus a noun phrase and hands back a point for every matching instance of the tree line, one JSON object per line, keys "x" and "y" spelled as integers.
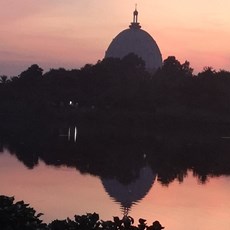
{"x": 114, "y": 83}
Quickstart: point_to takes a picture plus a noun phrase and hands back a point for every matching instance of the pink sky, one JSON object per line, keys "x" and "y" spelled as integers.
{"x": 69, "y": 34}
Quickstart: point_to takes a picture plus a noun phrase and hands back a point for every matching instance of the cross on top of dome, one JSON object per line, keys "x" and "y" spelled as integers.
{"x": 135, "y": 24}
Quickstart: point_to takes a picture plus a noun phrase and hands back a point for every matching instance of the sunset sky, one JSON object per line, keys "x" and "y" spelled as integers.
{"x": 71, "y": 33}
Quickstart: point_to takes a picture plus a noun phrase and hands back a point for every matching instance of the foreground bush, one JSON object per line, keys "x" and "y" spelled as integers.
{"x": 19, "y": 216}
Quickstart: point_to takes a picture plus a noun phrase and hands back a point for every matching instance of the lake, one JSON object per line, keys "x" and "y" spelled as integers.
{"x": 188, "y": 192}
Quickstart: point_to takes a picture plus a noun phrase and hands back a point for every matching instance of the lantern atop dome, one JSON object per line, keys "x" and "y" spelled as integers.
{"x": 135, "y": 24}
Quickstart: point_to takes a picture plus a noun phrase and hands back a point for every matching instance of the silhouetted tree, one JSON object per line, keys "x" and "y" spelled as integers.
{"x": 3, "y": 79}
{"x": 33, "y": 72}
{"x": 223, "y": 74}
{"x": 132, "y": 61}
{"x": 171, "y": 66}
{"x": 187, "y": 71}
{"x": 14, "y": 79}
{"x": 207, "y": 71}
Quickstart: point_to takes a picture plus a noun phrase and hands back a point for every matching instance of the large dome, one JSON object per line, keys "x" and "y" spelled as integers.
{"x": 137, "y": 41}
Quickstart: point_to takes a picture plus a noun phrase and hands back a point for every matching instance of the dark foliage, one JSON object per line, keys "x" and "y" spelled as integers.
{"x": 119, "y": 84}
{"x": 19, "y": 216}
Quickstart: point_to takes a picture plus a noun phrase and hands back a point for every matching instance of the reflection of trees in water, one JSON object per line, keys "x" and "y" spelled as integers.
{"x": 122, "y": 153}
{"x": 128, "y": 194}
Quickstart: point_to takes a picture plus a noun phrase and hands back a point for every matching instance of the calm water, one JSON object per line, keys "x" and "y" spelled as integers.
{"x": 61, "y": 191}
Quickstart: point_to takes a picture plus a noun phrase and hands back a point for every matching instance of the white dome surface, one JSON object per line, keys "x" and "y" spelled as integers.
{"x": 137, "y": 41}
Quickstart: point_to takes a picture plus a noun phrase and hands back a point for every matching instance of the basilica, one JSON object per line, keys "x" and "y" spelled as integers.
{"x": 137, "y": 41}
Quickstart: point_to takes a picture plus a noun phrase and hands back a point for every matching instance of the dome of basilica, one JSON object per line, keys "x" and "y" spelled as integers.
{"x": 137, "y": 41}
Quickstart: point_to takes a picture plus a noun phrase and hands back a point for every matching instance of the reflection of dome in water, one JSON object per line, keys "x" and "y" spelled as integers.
{"x": 129, "y": 194}
{"x": 137, "y": 41}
